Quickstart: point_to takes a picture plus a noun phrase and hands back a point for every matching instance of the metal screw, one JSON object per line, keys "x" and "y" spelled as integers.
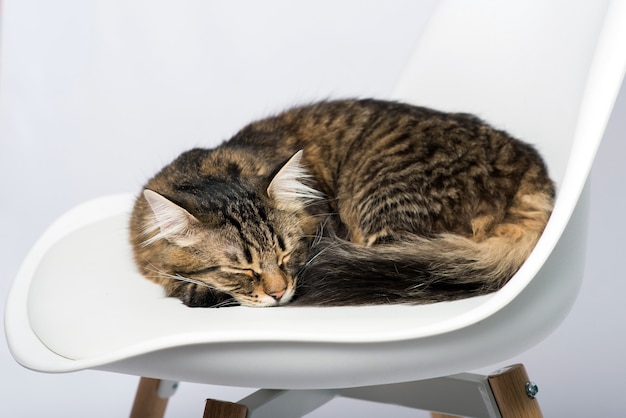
{"x": 531, "y": 389}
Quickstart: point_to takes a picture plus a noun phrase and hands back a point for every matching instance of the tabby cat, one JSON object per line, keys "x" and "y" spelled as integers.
{"x": 349, "y": 202}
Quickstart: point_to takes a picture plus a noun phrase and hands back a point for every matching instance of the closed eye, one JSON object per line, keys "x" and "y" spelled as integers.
{"x": 248, "y": 272}
{"x": 199, "y": 272}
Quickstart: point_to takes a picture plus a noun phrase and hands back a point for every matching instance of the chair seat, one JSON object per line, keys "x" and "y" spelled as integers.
{"x": 108, "y": 307}
{"x": 111, "y": 318}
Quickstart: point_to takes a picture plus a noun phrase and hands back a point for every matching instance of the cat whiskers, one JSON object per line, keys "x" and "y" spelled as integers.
{"x": 226, "y": 303}
{"x": 188, "y": 280}
{"x": 320, "y": 252}
{"x": 178, "y": 277}
{"x": 161, "y": 273}
{"x": 320, "y": 232}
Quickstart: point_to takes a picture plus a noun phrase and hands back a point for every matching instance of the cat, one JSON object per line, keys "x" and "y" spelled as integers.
{"x": 344, "y": 202}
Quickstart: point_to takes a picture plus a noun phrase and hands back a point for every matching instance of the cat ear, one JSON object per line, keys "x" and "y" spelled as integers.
{"x": 287, "y": 190}
{"x": 170, "y": 220}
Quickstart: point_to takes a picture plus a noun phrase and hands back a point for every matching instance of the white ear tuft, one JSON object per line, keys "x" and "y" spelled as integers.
{"x": 170, "y": 220}
{"x": 286, "y": 188}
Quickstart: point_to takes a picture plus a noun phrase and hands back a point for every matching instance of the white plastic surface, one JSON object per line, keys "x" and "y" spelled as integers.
{"x": 113, "y": 307}
{"x": 78, "y": 302}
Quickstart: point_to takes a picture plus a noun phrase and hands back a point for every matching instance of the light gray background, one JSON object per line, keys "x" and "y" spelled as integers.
{"x": 97, "y": 95}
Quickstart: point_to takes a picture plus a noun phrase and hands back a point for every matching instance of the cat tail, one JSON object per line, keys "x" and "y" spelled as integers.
{"x": 413, "y": 271}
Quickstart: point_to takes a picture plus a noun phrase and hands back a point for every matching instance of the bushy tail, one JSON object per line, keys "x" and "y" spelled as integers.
{"x": 414, "y": 271}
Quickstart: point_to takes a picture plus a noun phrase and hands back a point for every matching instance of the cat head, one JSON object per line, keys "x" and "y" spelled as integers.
{"x": 238, "y": 238}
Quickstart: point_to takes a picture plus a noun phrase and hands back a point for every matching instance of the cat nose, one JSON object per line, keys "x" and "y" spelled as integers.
{"x": 275, "y": 284}
{"x": 277, "y": 294}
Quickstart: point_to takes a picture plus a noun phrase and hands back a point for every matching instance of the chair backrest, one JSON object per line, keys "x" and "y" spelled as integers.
{"x": 547, "y": 72}
{"x": 525, "y": 66}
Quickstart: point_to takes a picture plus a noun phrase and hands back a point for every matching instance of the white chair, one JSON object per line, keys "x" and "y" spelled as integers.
{"x": 548, "y": 73}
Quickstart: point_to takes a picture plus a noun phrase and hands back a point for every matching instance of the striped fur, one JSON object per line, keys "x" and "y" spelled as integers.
{"x": 344, "y": 203}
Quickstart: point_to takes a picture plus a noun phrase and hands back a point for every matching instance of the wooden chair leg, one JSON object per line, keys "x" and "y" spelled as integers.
{"x": 220, "y": 409}
{"x": 147, "y": 403}
{"x": 514, "y": 399}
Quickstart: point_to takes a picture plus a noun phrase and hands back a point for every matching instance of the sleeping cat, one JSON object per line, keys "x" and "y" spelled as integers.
{"x": 350, "y": 202}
